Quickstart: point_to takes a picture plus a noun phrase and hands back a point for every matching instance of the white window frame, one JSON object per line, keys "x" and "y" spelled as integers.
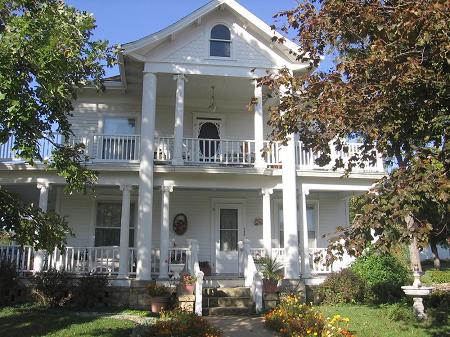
{"x": 209, "y": 39}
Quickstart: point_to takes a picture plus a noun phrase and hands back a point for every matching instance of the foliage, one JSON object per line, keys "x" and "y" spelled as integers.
{"x": 384, "y": 276}
{"x": 400, "y": 311}
{"x": 52, "y": 288}
{"x": 156, "y": 290}
{"x": 181, "y": 324}
{"x": 342, "y": 287}
{"x": 438, "y": 305}
{"x": 188, "y": 279}
{"x": 88, "y": 289}
{"x": 270, "y": 268}
{"x": 436, "y": 276}
{"x": 388, "y": 88}
{"x": 30, "y": 225}
{"x": 294, "y": 319}
{"x": 8, "y": 276}
{"x": 46, "y": 54}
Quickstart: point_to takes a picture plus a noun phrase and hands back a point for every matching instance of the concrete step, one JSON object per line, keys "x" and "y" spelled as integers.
{"x": 229, "y": 311}
{"x": 227, "y": 302}
{"x": 215, "y": 282}
{"x": 227, "y": 292}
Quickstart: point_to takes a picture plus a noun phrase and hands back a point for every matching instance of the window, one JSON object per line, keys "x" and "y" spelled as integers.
{"x": 311, "y": 221}
{"x": 220, "y": 42}
{"x": 107, "y": 227}
{"x": 119, "y": 126}
{"x": 228, "y": 229}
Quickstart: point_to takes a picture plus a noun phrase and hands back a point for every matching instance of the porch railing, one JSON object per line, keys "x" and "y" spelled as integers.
{"x": 317, "y": 259}
{"x": 22, "y": 257}
{"x": 233, "y": 152}
{"x": 219, "y": 151}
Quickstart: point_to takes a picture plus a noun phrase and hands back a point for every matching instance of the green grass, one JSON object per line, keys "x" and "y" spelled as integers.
{"x": 24, "y": 321}
{"x": 368, "y": 321}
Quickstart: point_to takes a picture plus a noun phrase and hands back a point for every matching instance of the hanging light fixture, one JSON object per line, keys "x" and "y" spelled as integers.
{"x": 212, "y": 106}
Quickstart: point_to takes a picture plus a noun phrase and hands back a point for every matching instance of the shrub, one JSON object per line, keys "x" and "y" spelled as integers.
{"x": 292, "y": 318}
{"x": 181, "y": 324}
{"x": 155, "y": 290}
{"x": 8, "y": 277}
{"x": 52, "y": 288}
{"x": 399, "y": 312}
{"x": 343, "y": 287}
{"x": 436, "y": 276}
{"x": 88, "y": 289}
{"x": 384, "y": 276}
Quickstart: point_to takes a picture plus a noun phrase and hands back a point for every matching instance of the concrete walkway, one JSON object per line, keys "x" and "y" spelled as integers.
{"x": 240, "y": 326}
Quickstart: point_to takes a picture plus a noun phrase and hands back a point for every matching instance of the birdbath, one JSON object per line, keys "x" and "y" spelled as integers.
{"x": 418, "y": 292}
{"x": 176, "y": 269}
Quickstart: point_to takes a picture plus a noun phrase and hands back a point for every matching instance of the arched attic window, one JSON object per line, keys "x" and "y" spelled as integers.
{"x": 220, "y": 42}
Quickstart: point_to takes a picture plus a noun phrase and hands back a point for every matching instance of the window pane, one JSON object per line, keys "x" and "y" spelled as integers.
{"x": 311, "y": 219}
{"x": 220, "y": 48}
{"x": 107, "y": 237}
{"x": 220, "y": 32}
{"x": 131, "y": 239}
{"x": 228, "y": 219}
{"x": 228, "y": 240}
{"x": 120, "y": 126}
{"x": 108, "y": 214}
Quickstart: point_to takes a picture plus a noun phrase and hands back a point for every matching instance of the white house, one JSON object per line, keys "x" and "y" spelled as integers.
{"x": 175, "y": 143}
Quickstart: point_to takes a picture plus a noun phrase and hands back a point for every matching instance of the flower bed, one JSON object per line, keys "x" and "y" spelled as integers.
{"x": 294, "y": 319}
{"x": 181, "y": 324}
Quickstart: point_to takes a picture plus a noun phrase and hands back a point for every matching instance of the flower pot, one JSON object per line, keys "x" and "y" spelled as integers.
{"x": 270, "y": 286}
{"x": 187, "y": 289}
{"x": 159, "y": 303}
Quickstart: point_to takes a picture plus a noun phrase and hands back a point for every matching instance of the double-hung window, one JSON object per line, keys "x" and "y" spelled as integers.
{"x": 107, "y": 227}
{"x": 220, "y": 42}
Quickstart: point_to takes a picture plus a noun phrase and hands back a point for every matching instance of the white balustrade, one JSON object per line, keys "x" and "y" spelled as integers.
{"x": 218, "y": 151}
{"x": 318, "y": 261}
{"x": 272, "y": 154}
{"x": 117, "y": 147}
{"x": 22, "y": 257}
{"x": 164, "y": 149}
{"x": 179, "y": 256}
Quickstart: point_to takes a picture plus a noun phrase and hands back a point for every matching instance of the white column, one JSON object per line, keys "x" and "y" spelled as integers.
{"x": 267, "y": 220}
{"x": 289, "y": 178}
{"x": 164, "y": 240}
{"x": 304, "y": 230}
{"x": 39, "y": 256}
{"x": 145, "y": 221}
{"x": 124, "y": 231}
{"x": 259, "y": 127}
{"x": 179, "y": 121}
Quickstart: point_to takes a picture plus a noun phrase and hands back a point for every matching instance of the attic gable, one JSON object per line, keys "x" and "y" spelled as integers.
{"x": 141, "y": 49}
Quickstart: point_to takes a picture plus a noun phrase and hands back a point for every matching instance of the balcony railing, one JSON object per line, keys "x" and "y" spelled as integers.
{"x": 220, "y": 152}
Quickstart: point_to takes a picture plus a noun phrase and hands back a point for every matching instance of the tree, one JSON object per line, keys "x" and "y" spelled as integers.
{"x": 46, "y": 52}
{"x": 388, "y": 87}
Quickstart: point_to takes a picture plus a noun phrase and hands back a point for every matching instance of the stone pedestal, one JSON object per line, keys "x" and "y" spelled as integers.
{"x": 186, "y": 303}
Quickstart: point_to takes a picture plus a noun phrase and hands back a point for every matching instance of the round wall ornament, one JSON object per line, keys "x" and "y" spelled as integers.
{"x": 180, "y": 224}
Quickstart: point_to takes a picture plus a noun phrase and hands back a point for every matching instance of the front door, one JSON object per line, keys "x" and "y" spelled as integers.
{"x": 229, "y": 230}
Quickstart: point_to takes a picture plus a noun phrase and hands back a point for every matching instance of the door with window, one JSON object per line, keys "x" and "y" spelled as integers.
{"x": 208, "y": 134}
{"x": 229, "y": 231}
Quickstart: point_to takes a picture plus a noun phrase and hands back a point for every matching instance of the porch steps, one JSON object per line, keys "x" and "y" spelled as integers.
{"x": 225, "y": 301}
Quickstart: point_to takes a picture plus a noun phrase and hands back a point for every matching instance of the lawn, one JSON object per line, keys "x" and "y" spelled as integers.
{"x": 368, "y": 321}
{"x": 25, "y": 321}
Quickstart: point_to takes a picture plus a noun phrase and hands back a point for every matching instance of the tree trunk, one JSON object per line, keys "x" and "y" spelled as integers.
{"x": 435, "y": 254}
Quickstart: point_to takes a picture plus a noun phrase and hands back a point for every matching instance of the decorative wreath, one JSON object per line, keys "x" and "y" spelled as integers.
{"x": 180, "y": 224}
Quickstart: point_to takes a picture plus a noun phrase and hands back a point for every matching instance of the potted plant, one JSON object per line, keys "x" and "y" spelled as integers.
{"x": 187, "y": 284}
{"x": 160, "y": 297}
{"x": 271, "y": 270}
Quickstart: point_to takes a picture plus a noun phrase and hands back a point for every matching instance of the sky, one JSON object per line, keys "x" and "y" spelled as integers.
{"x": 122, "y": 21}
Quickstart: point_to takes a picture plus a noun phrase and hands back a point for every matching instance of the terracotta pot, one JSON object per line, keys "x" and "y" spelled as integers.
{"x": 159, "y": 303}
{"x": 187, "y": 289}
{"x": 270, "y": 286}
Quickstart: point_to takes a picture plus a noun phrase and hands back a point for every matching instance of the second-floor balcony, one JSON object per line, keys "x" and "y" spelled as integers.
{"x": 103, "y": 148}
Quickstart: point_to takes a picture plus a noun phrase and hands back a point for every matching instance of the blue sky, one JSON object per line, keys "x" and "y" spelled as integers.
{"x": 122, "y": 21}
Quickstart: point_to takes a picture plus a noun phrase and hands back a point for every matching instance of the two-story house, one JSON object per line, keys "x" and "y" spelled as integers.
{"x": 179, "y": 157}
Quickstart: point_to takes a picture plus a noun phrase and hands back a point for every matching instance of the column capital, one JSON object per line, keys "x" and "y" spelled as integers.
{"x": 167, "y": 188}
{"x": 181, "y": 77}
{"x": 125, "y": 188}
{"x": 43, "y": 185}
{"x": 267, "y": 191}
